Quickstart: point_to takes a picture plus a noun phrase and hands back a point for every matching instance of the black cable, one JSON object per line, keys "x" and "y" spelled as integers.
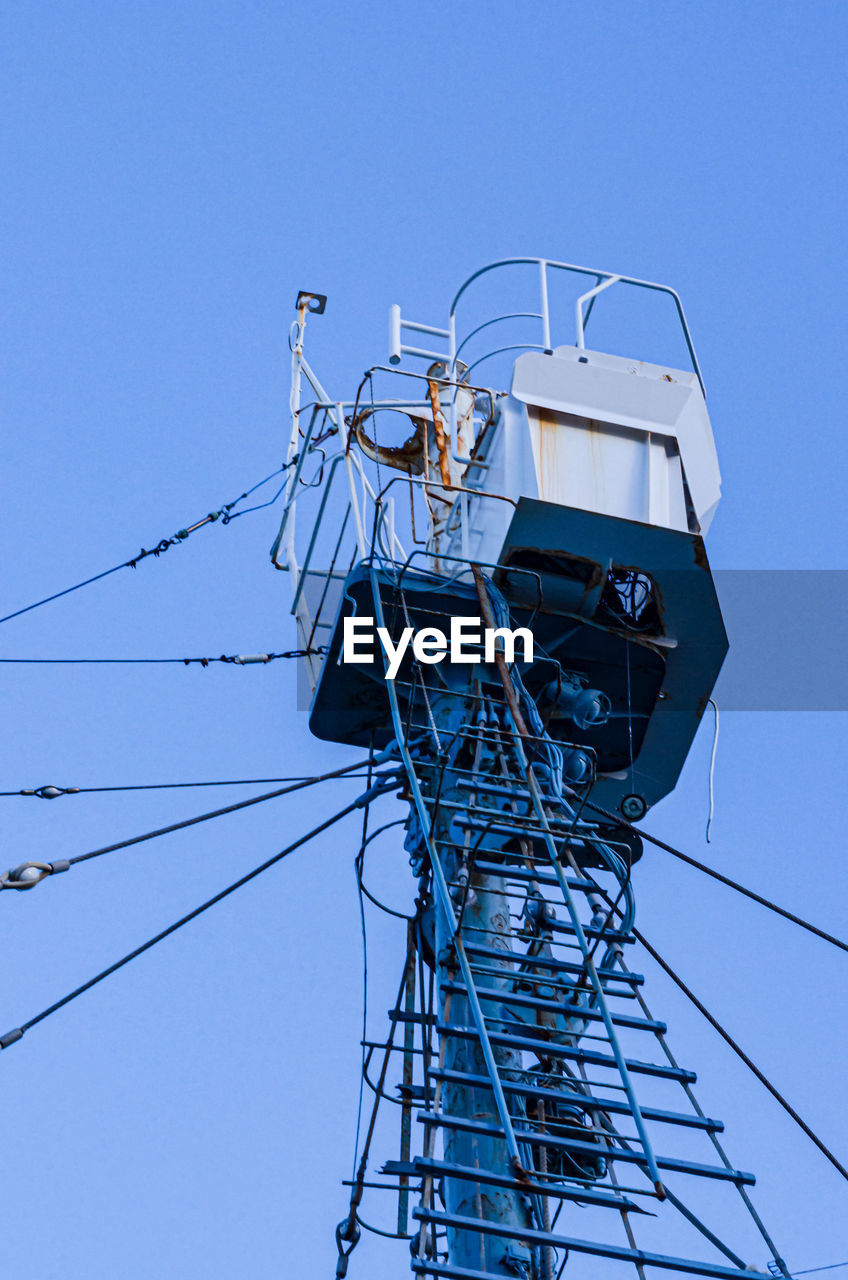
{"x": 359, "y": 887}
{"x": 717, "y": 875}
{"x": 189, "y": 822}
{"x": 223, "y": 514}
{"x": 237, "y": 659}
{"x": 728, "y": 1039}
{"x": 360, "y": 867}
{"x": 54, "y": 792}
{"x": 262, "y": 505}
{"x": 11, "y": 1037}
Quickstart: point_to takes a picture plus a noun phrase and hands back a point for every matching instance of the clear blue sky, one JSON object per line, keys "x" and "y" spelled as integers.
{"x": 172, "y": 174}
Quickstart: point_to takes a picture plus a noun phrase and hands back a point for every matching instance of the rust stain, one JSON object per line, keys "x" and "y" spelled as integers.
{"x": 439, "y": 429}
{"x": 699, "y": 554}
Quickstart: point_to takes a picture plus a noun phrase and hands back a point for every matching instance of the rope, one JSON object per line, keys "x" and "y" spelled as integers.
{"x": 11, "y": 1037}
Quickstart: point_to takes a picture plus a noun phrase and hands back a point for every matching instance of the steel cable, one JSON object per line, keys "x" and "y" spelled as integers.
{"x": 236, "y": 659}
{"x": 162, "y": 546}
{"x": 717, "y": 875}
{"x": 51, "y": 793}
{"x": 8, "y": 880}
{"x": 11, "y": 1037}
{"x": 728, "y": 1039}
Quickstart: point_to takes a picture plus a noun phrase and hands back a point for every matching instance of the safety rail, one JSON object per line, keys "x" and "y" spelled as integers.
{"x": 353, "y": 499}
{"x": 603, "y": 281}
{"x": 355, "y": 514}
{"x": 456, "y": 345}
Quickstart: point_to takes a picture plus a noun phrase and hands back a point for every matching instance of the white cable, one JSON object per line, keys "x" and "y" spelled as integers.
{"x": 712, "y": 770}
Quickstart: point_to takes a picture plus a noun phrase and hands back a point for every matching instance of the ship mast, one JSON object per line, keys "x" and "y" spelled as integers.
{"x": 558, "y": 497}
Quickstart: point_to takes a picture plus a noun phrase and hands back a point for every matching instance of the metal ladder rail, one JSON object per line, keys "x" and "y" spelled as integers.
{"x": 518, "y": 828}
{"x": 587, "y": 1148}
{"x": 491, "y": 1178}
{"x": 713, "y": 1137}
{"x": 588, "y": 961}
{"x": 679, "y": 1205}
{"x": 590, "y": 1148}
{"x": 504, "y": 872}
{"x": 443, "y": 895}
{"x": 614, "y": 1252}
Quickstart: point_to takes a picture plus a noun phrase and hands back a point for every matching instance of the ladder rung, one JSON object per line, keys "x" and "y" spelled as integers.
{"x": 525, "y": 1001}
{"x": 527, "y": 975}
{"x": 524, "y": 873}
{"x": 590, "y": 931}
{"x": 543, "y": 979}
{"x": 426, "y": 1019}
{"x": 598, "y": 1150}
{"x": 551, "y": 1049}
{"x": 599, "y": 1249}
{"x": 589, "y": 1101}
{"x": 519, "y": 791}
{"x": 520, "y": 830}
{"x": 433, "y": 1268}
{"x": 551, "y": 962}
{"x": 423, "y": 1166}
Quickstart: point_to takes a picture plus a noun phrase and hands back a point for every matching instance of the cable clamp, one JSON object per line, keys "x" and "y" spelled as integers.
{"x": 347, "y": 1231}
{"x": 11, "y": 1037}
{"x": 51, "y": 792}
{"x": 26, "y": 876}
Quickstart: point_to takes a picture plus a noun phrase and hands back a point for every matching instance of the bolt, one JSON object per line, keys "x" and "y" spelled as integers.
{"x": 633, "y": 807}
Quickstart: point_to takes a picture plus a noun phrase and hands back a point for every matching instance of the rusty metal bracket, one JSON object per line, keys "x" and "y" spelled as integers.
{"x": 314, "y": 302}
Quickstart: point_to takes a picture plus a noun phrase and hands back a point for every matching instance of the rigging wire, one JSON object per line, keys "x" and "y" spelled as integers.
{"x": 717, "y": 875}
{"x": 728, "y": 1039}
{"x": 239, "y": 659}
{"x": 809, "y": 1271}
{"x": 51, "y": 793}
{"x": 11, "y": 1037}
{"x": 223, "y": 514}
{"x": 18, "y": 879}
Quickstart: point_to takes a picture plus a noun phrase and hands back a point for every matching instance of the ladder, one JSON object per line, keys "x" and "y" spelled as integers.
{"x": 551, "y": 1094}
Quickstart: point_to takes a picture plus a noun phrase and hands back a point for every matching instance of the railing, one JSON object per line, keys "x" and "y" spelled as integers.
{"x": 342, "y": 476}
{"x": 603, "y": 281}
{"x": 364, "y": 513}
